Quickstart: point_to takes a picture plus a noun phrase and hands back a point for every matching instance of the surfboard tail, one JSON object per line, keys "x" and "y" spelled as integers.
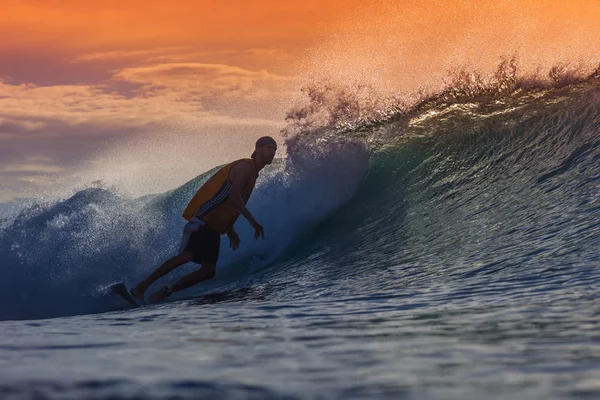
{"x": 121, "y": 290}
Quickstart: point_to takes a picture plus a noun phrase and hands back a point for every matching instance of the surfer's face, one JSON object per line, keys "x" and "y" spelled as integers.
{"x": 267, "y": 153}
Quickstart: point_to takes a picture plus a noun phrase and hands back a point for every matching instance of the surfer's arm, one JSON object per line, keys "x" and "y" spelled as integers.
{"x": 234, "y": 239}
{"x": 231, "y": 233}
{"x": 239, "y": 176}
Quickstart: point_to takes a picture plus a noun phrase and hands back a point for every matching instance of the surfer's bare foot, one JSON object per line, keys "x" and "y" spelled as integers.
{"x": 161, "y": 294}
{"x": 137, "y": 294}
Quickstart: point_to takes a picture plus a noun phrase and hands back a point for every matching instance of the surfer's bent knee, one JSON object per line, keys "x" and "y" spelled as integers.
{"x": 211, "y": 269}
{"x": 187, "y": 255}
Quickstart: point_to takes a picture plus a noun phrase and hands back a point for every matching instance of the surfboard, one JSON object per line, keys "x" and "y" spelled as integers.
{"x": 121, "y": 290}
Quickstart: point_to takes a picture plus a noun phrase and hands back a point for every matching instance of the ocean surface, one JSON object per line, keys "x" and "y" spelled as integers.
{"x": 448, "y": 250}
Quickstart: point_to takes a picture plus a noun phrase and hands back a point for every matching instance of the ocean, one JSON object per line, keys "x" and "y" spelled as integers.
{"x": 443, "y": 250}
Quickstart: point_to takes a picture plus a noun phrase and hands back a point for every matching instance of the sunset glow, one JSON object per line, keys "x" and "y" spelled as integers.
{"x": 78, "y": 79}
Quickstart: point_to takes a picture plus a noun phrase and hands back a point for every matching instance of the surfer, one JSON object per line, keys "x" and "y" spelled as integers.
{"x": 212, "y": 212}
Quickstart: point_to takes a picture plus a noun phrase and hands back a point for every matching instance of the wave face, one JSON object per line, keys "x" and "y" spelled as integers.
{"x": 58, "y": 259}
{"x": 494, "y": 190}
{"x": 470, "y": 198}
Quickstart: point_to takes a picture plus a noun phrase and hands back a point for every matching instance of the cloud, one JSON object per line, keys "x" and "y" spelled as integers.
{"x": 68, "y": 124}
{"x": 29, "y": 168}
{"x": 198, "y": 80}
{"x": 143, "y": 54}
{"x": 176, "y": 72}
{"x": 157, "y": 93}
{"x": 189, "y": 54}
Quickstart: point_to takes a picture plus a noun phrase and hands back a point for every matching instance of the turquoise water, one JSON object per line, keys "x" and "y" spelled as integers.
{"x": 446, "y": 253}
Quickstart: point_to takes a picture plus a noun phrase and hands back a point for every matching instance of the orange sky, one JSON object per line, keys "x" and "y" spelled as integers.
{"x": 73, "y": 28}
{"x": 104, "y": 25}
{"x": 87, "y": 85}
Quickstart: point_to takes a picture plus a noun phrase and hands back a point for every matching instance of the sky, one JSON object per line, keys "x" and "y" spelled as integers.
{"x": 145, "y": 95}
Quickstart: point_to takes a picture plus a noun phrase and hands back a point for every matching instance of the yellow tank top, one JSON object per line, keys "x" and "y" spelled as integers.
{"x": 211, "y": 202}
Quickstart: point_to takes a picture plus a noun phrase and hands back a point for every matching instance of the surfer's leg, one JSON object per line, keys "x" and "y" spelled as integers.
{"x": 206, "y": 272}
{"x": 164, "y": 269}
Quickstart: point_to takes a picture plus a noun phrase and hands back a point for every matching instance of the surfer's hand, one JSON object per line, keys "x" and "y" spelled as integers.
{"x": 258, "y": 230}
{"x": 234, "y": 242}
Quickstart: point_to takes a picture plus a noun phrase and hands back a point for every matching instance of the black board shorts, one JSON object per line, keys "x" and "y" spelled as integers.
{"x": 204, "y": 243}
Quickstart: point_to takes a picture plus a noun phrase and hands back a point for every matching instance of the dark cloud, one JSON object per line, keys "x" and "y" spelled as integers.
{"x": 51, "y": 133}
{"x": 50, "y": 70}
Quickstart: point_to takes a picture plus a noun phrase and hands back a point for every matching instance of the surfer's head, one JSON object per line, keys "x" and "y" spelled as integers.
{"x": 264, "y": 150}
